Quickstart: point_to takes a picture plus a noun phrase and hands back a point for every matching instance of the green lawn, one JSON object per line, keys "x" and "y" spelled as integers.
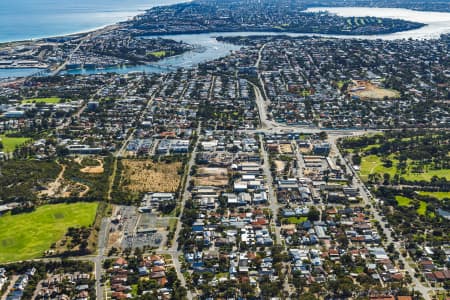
{"x": 159, "y": 54}
{"x": 222, "y": 275}
{"x": 134, "y": 290}
{"x": 49, "y": 100}
{"x": 359, "y": 269}
{"x": 373, "y": 164}
{"x": 422, "y": 208}
{"x": 10, "y": 143}
{"x": 294, "y": 220}
{"x": 28, "y": 235}
{"x": 370, "y": 147}
{"x": 437, "y": 195}
{"x": 427, "y": 175}
{"x": 172, "y": 224}
{"x": 402, "y": 201}
{"x": 405, "y": 201}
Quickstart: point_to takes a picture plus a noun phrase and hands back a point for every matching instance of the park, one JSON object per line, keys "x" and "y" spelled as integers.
{"x": 28, "y": 235}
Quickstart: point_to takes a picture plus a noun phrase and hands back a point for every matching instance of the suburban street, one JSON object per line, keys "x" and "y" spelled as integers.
{"x": 267, "y": 127}
{"x": 174, "y": 251}
{"x": 367, "y": 200}
{"x": 82, "y": 40}
{"x": 98, "y": 259}
{"x": 245, "y": 149}
{"x": 273, "y": 203}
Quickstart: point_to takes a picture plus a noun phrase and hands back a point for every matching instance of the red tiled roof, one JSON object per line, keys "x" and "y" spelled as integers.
{"x": 121, "y": 261}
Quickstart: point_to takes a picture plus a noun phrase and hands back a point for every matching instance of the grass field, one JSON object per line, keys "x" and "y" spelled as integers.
{"x": 49, "y": 100}
{"x": 422, "y": 208}
{"x": 402, "y": 201}
{"x": 437, "y": 195}
{"x": 160, "y": 54}
{"x": 370, "y": 147}
{"x": 27, "y": 236}
{"x": 405, "y": 201}
{"x": 294, "y": 220}
{"x": 10, "y": 143}
{"x": 427, "y": 175}
{"x": 373, "y": 164}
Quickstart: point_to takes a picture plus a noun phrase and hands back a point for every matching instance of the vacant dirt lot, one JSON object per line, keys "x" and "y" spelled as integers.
{"x": 367, "y": 90}
{"x": 212, "y": 177}
{"x": 146, "y": 176}
{"x": 63, "y": 188}
{"x": 279, "y": 165}
{"x": 285, "y": 148}
{"x": 94, "y": 169}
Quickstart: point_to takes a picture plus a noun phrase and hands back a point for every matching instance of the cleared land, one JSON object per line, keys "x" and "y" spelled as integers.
{"x": 369, "y": 91}
{"x": 212, "y": 176}
{"x": 279, "y": 165}
{"x": 147, "y": 176}
{"x": 437, "y": 195}
{"x": 49, "y": 100}
{"x": 285, "y": 149}
{"x": 10, "y": 143}
{"x": 64, "y": 188}
{"x": 28, "y": 235}
{"x": 92, "y": 166}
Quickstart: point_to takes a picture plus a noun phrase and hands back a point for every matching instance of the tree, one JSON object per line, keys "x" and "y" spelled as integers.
{"x": 323, "y": 135}
{"x": 342, "y": 240}
{"x": 343, "y": 286}
{"x": 171, "y": 277}
{"x": 374, "y": 178}
{"x": 245, "y": 289}
{"x": 386, "y": 178}
{"x": 180, "y": 293}
{"x": 314, "y": 214}
{"x": 356, "y": 159}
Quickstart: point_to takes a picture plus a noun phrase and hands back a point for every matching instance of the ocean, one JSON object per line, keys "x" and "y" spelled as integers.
{"x": 84, "y": 15}
{"x": 29, "y": 19}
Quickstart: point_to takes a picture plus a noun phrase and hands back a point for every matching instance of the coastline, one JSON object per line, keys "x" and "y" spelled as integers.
{"x": 166, "y": 63}
{"x": 85, "y": 31}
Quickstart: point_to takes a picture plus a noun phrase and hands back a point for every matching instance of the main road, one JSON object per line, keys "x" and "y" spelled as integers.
{"x": 98, "y": 259}
{"x": 174, "y": 251}
{"x": 81, "y": 41}
{"x": 273, "y": 202}
{"x": 269, "y": 126}
{"x": 367, "y": 200}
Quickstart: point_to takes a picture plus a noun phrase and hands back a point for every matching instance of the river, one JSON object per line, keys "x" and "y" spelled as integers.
{"x": 437, "y": 24}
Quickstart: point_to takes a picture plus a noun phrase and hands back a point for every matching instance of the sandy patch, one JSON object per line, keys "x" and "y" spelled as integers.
{"x": 368, "y": 91}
